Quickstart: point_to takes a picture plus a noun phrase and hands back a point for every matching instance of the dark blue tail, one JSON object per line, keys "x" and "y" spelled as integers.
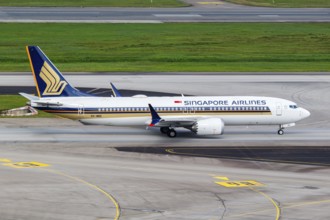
{"x": 49, "y": 80}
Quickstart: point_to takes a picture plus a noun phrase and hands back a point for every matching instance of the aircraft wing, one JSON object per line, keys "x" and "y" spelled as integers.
{"x": 198, "y": 125}
{"x": 157, "y": 121}
{"x": 175, "y": 123}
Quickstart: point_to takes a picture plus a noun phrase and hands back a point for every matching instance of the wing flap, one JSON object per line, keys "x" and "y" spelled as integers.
{"x": 157, "y": 121}
{"x": 175, "y": 123}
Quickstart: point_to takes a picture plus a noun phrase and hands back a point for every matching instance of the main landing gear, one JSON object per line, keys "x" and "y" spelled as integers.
{"x": 281, "y": 130}
{"x": 169, "y": 131}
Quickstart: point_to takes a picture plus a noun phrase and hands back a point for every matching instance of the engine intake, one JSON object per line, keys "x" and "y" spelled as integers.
{"x": 210, "y": 126}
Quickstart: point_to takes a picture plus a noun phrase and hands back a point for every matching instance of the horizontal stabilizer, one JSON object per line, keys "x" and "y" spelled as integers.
{"x": 28, "y": 96}
{"x": 36, "y": 100}
{"x": 47, "y": 103}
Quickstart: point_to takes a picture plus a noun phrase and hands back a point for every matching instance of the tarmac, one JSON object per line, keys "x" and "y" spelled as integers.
{"x": 202, "y": 11}
{"x": 56, "y": 168}
{"x": 59, "y": 169}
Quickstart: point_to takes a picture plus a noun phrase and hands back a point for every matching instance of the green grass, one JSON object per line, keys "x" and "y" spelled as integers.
{"x": 206, "y": 47}
{"x": 285, "y": 3}
{"x": 16, "y": 101}
{"x": 94, "y": 3}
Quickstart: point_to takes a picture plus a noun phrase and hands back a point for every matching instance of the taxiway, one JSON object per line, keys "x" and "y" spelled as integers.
{"x": 214, "y": 13}
{"x": 59, "y": 169}
{"x": 308, "y": 91}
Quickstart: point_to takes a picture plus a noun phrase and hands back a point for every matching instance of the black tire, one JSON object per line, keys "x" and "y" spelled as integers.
{"x": 164, "y": 130}
{"x": 280, "y": 132}
{"x": 171, "y": 133}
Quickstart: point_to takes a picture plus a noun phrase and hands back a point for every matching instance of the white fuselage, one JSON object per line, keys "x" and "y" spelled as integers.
{"x": 134, "y": 111}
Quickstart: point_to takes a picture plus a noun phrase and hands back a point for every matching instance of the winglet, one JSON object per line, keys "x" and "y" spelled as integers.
{"x": 155, "y": 118}
{"x": 115, "y": 91}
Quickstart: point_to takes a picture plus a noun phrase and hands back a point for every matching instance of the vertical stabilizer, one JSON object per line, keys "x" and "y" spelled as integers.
{"x": 48, "y": 79}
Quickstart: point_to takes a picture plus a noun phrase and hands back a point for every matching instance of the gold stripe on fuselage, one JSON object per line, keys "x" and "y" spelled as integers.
{"x": 87, "y": 115}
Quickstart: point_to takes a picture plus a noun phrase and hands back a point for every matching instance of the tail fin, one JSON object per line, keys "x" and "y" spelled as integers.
{"x": 48, "y": 79}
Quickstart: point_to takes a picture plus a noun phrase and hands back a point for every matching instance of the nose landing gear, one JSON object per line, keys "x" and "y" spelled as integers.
{"x": 282, "y": 126}
{"x": 281, "y": 130}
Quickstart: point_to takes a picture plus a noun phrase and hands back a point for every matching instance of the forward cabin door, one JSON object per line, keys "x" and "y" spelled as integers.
{"x": 278, "y": 109}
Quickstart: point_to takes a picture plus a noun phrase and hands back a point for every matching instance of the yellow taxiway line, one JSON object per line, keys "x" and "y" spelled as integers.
{"x": 33, "y": 164}
{"x": 108, "y": 195}
{"x": 277, "y": 207}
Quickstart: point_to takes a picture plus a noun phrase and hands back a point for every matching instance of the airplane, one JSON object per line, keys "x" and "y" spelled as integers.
{"x": 203, "y": 115}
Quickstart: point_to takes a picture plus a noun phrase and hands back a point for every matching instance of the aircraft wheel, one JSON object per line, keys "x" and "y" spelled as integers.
{"x": 280, "y": 132}
{"x": 171, "y": 133}
{"x": 164, "y": 130}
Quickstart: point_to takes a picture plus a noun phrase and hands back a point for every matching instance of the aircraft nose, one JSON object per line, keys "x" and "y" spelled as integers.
{"x": 304, "y": 113}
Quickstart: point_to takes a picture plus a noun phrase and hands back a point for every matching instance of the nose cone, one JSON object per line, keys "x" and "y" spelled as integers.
{"x": 304, "y": 113}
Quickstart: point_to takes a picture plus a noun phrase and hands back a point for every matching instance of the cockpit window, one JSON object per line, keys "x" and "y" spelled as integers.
{"x": 293, "y": 106}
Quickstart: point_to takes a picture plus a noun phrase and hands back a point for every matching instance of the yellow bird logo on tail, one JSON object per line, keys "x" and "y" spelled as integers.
{"x": 54, "y": 85}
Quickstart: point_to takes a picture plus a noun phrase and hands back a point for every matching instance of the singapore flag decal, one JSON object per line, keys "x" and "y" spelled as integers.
{"x": 177, "y": 101}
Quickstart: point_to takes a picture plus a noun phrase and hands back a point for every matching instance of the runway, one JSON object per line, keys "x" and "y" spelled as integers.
{"x": 59, "y": 169}
{"x": 206, "y": 13}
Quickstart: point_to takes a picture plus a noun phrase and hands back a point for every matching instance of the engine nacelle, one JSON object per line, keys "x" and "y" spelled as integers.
{"x": 210, "y": 126}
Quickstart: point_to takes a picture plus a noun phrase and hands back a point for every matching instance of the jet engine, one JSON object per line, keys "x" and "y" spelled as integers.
{"x": 210, "y": 126}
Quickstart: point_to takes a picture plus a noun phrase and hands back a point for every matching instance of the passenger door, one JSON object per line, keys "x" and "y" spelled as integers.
{"x": 278, "y": 109}
{"x": 81, "y": 110}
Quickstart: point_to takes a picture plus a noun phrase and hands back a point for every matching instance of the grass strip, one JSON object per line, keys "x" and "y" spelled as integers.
{"x": 93, "y": 3}
{"x": 285, "y": 3}
{"x": 190, "y": 47}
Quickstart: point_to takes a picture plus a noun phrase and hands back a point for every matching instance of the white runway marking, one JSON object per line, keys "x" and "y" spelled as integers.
{"x": 269, "y": 16}
{"x": 177, "y": 15}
